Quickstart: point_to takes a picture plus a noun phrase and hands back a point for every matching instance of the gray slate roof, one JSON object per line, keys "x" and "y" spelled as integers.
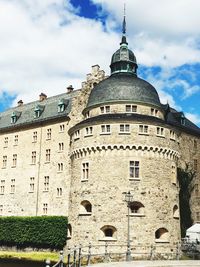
{"x": 25, "y": 113}
{"x": 123, "y": 87}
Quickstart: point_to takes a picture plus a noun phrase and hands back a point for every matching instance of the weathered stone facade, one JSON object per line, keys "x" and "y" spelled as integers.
{"x": 84, "y": 149}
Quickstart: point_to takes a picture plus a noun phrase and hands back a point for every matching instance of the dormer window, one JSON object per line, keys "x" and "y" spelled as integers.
{"x": 15, "y": 116}
{"x": 182, "y": 119}
{"x": 38, "y": 111}
{"x": 62, "y": 104}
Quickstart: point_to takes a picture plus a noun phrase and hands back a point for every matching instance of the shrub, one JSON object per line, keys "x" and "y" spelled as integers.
{"x": 36, "y": 232}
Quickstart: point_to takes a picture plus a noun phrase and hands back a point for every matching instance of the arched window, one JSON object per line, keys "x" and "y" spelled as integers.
{"x": 69, "y": 231}
{"x": 85, "y": 208}
{"x": 108, "y": 232}
{"x": 137, "y": 208}
{"x": 175, "y": 212}
{"x": 162, "y": 235}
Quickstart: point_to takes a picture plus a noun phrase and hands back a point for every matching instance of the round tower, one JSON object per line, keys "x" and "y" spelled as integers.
{"x": 122, "y": 146}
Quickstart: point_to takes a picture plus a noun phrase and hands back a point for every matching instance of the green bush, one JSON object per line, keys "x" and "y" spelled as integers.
{"x": 37, "y": 232}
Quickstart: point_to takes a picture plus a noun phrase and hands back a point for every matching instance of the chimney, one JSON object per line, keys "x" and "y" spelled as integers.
{"x": 70, "y": 89}
{"x": 42, "y": 97}
{"x": 20, "y": 103}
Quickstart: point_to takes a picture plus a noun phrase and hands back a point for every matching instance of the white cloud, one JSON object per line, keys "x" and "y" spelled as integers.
{"x": 195, "y": 118}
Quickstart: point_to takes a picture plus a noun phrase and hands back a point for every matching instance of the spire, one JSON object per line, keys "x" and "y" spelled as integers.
{"x": 124, "y": 28}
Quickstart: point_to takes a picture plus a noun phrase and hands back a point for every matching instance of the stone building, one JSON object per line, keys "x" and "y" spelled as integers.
{"x": 77, "y": 153}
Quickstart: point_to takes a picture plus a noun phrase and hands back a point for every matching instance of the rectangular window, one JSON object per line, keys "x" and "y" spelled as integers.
{"x": 2, "y": 187}
{"x": 154, "y": 112}
{"x": 48, "y": 155}
{"x": 195, "y": 164}
{"x": 33, "y": 157}
{"x": 14, "y": 160}
{"x": 124, "y": 128}
{"x": 16, "y": 140}
{"x": 105, "y": 109}
{"x": 61, "y": 147}
{"x": 85, "y": 171}
{"x": 6, "y": 142}
{"x": 32, "y": 184}
{"x": 88, "y": 130}
{"x": 134, "y": 169}
{"x": 46, "y": 183}
{"x": 143, "y": 129}
{"x": 160, "y": 131}
{"x": 49, "y": 134}
{"x": 62, "y": 127}
{"x": 45, "y": 208}
{"x": 59, "y": 192}
{"x": 60, "y": 167}
{"x": 35, "y": 137}
{"x": 105, "y": 128}
{"x": 172, "y": 135}
{"x": 131, "y": 108}
{"x": 4, "y": 161}
{"x": 77, "y": 134}
{"x": 12, "y": 186}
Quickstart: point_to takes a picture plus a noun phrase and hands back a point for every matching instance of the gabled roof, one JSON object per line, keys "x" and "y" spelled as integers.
{"x": 47, "y": 107}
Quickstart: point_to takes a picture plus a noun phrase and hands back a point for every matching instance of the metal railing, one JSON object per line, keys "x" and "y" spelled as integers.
{"x": 93, "y": 253}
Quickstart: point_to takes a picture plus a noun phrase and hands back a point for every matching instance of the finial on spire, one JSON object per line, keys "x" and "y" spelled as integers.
{"x": 124, "y": 28}
{"x": 124, "y": 21}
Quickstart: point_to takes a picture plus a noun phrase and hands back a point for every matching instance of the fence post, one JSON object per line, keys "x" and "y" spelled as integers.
{"x": 68, "y": 257}
{"x": 74, "y": 256}
{"x": 48, "y": 263}
{"x": 79, "y": 256}
{"x": 61, "y": 259}
{"x": 89, "y": 254}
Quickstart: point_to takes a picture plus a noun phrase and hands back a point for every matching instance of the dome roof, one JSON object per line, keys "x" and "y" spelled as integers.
{"x": 123, "y": 54}
{"x": 123, "y": 87}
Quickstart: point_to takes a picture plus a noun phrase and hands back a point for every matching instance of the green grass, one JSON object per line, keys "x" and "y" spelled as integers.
{"x": 32, "y": 256}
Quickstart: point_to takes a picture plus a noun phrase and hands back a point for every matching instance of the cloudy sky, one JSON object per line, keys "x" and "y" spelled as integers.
{"x": 45, "y": 45}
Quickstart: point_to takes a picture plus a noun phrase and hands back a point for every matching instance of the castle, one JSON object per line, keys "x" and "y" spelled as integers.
{"x": 77, "y": 153}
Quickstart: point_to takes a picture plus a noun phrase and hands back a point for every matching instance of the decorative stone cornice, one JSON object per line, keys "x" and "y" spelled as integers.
{"x": 144, "y": 150}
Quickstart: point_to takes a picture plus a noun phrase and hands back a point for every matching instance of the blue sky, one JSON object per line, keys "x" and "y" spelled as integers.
{"x": 47, "y": 45}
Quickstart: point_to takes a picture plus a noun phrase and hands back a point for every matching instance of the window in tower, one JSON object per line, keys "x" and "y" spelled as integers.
{"x": 85, "y": 171}
{"x": 124, "y": 128}
{"x": 61, "y": 147}
{"x": 105, "y": 109}
{"x": 134, "y": 170}
{"x": 60, "y": 167}
{"x": 172, "y": 135}
{"x": 143, "y": 129}
{"x": 160, "y": 131}
{"x": 33, "y": 157}
{"x": 109, "y": 232}
{"x": 85, "y": 208}
{"x": 131, "y": 108}
{"x": 88, "y": 131}
{"x": 154, "y": 112}
{"x": 136, "y": 209}
{"x": 62, "y": 128}
{"x": 76, "y": 134}
{"x": 175, "y": 212}
{"x": 162, "y": 235}
{"x": 173, "y": 174}
{"x": 105, "y": 129}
